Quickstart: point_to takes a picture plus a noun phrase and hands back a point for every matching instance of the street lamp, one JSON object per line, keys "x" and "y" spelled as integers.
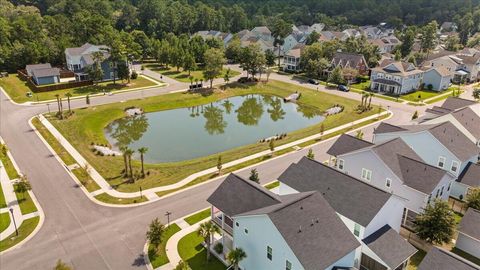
{"x": 14, "y": 223}
{"x": 48, "y": 105}
{"x": 168, "y": 217}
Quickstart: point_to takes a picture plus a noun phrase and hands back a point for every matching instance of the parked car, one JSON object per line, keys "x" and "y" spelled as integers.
{"x": 312, "y": 81}
{"x": 343, "y": 88}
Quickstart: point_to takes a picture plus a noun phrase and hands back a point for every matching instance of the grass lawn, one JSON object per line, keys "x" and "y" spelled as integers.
{"x": 53, "y": 142}
{"x": 416, "y": 259}
{"x": 11, "y": 172}
{"x": 421, "y": 95}
{"x": 86, "y": 180}
{"x": 24, "y": 230}
{"x": 192, "y": 251}
{"x": 273, "y": 185}
{"x": 160, "y": 258}
{"x": 87, "y": 124}
{"x": 3, "y": 204}
{"x": 361, "y": 86}
{"x": 466, "y": 256}
{"x": 198, "y": 216}
{"x": 17, "y": 89}
{"x": 26, "y": 203}
{"x": 4, "y": 221}
{"x": 104, "y": 197}
{"x": 183, "y": 75}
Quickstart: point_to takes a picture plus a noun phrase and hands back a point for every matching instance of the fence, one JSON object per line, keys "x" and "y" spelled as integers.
{"x": 413, "y": 239}
{"x": 457, "y": 205}
{"x": 22, "y": 74}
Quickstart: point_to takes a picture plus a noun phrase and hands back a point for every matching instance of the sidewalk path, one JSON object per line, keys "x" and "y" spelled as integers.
{"x": 11, "y": 201}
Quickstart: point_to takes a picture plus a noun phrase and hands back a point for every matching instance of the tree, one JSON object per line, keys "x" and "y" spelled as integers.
{"x": 206, "y": 231}
{"x": 235, "y": 256}
{"x": 117, "y": 51}
{"x": 57, "y": 96}
{"x": 234, "y": 50}
{"x": 226, "y": 76}
{"x": 313, "y": 60}
{"x": 271, "y": 145}
{"x": 310, "y": 154}
{"x": 214, "y": 61}
{"x": 155, "y": 233}
{"x": 408, "y": 39}
{"x": 476, "y": 93}
{"x": 452, "y": 43}
{"x": 123, "y": 72}
{"x": 252, "y": 59}
{"x": 142, "y": 151}
{"x": 280, "y": 31}
{"x": 269, "y": 58}
{"x": 95, "y": 71}
{"x": 61, "y": 266}
{"x": 22, "y": 186}
{"x": 465, "y": 28}
{"x": 336, "y": 76}
{"x": 312, "y": 38}
{"x": 87, "y": 99}
{"x": 415, "y": 115}
{"x": 219, "y": 164}
{"x": 68, "y": 95}
{"x": 473, "y": 198}
{"x": 189, "y": 63}
{"x": 436, "y": 224}
{"x": 254, "y": 176}
{"x": 359, "y": 134}
{"x": 370, "y": 96}
{"x": 429, "y": 37}
{"x": 128, "y": 154}
{"x": 182, "y": 266}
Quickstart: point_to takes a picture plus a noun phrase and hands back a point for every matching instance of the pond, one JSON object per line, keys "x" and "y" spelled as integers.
{"x": 188, "y": 133}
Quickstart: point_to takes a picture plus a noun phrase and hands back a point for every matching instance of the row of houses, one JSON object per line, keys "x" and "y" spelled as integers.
{"x": 347, "y": 213}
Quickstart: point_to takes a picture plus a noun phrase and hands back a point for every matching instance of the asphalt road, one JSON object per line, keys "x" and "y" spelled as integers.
{"x": 89, "y": 236}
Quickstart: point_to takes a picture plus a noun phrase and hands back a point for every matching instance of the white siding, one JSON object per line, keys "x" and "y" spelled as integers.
{"x": 468, "y": 244}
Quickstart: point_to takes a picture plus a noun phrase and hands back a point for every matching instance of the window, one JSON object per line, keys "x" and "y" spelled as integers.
{"x": 356, "y": 230}
{"x": 441, "y": 191}
{"x": 429, "y": 198}
{"x": 441, "y": 162}
{"x": 454, "y": 167}
{"x": 388, "y": 183}
{"x": 246, "y": 231}
{"x": 269, "y": 253}
{"x": 341, "y": 164}
{"x": 288, "y": 265}
{"x": 236, "y": 224}
{"x": 436, "y": 195}
{"x": 366, "y": 174}
{"x": 449, "y": 185}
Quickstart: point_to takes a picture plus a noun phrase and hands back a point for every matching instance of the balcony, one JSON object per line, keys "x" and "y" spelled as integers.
{"x": 222, "y": 221}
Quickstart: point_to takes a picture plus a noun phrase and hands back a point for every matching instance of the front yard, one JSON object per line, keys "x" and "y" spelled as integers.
{"x": 18, "y": 89}
{"x": 159, "y": 257}
{"x": 87, "y": 124}
{"x": 192, "y": 251}
{"x": 183, "y": 76}
{"x": 421, "y": 95}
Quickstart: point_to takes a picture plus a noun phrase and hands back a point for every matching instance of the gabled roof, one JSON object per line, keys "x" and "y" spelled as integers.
{"x": 31, "y": 68}
{"x": 236, "y": 195}
{"x": 46, "y": 72}
{"x": 262, "y": 29}
{"x": 440, "y": 259}
{"x": 387, "y": 128}
{"x": 455, "y": 103}
{"x": 470, "y": 175}
{"x": 442, "y": 71}
{"x": 347, "y": 143}
{"x": 398, "y": 68}
{"x": 349, "y": 196}
{"x": 311, "y": 228}
{"x": 351, "y": 60}
{"x": 470, "y": 224}
{"x": 77, "y": 51}
{"x": 469, "y": 120}
{"x": 389, "y": 246}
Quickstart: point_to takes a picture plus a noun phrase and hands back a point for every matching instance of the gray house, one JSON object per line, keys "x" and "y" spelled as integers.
{"x": 468, "y": 179}
{"x": 440, "y": 259}
{"x": 46, "y": 76}
{"x": 468, "y": 238}
{"x": 395, "y": 78}
{"x": 438, "y": 78}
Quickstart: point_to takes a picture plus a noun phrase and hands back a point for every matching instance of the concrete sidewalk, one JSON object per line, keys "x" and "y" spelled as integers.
{"x": 11, "y": 201}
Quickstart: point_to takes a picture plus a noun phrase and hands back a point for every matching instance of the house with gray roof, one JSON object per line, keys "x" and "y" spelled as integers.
{"x": 437, "y": 78}
{"x": 350, "y": 60}
{"x": 440, "y": 259}
{"x": 468, "y": 238}
{"x": 395, "y": 78}
{"x": 468, "y": 179}
{"x": 394, "y": 167}
{"x": 43, "y": 74}
{"x": 371, "y": 214}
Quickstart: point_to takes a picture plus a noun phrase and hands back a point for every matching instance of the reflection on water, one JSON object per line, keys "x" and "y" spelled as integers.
{"x": 188, "y": 133}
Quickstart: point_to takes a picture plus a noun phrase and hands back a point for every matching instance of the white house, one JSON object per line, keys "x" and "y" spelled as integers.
{"x": 438, "y": 78}
{"x": 468, "y": 238}
{"x": 394, "y": 167}
{"x": 395, "y": 77}
{"x": 291, "y": 60}
{"x": 74, "y": 55}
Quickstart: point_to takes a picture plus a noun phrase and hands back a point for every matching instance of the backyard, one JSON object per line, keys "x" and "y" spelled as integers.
{"x": 192, "y": 251}
{"x": 87, "y": 125}
{"x": 183, "y": 76}
{"x": 18, "y": 89}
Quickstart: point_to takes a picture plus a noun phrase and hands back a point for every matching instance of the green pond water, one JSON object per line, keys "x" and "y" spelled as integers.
{"x": 188, "y": 133}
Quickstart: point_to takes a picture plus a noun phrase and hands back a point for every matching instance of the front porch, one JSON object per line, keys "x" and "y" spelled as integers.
{"x": 387, "y": 88}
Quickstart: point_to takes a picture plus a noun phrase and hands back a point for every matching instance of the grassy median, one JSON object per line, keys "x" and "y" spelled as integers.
{"x": 27, "y": 227}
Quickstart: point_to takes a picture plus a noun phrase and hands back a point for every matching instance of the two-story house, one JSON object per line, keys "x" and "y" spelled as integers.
{"x": 291, "y": 59}
{"x": 394, "y": 167}
{"x": 350, "y": 60}
{"x": 395, "y": 77}
{"x": 441, "y": 259}
{"x": 80, "y": 58}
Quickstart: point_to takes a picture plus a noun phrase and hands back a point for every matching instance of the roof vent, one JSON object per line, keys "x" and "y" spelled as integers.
{"x": 300, "y": 229}
{"x": 301, "y": 207}
{"x": 311, "y": 224}
{"x": 316, "y": 221}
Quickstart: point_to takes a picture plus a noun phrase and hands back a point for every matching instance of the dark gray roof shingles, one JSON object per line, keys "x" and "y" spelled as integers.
{"x": 46, "y": 72}
{"x": 469, "y": 120}
{"x": 453, "y": 139}
{"x": 345, "y": 144}
{"x": 387, "y": 244}
{"x": 470, "y": 224}
{"x": 439, "y": 259}
{"x": 455, "y": 103}
{"x": 349, "y": 197}
{"x": 387, "y": 128}
{"x": 470, "y": 175}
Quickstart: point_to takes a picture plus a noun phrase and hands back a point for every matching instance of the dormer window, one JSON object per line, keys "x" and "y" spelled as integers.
{"x": 454, "y": 167}
{"x": 441, "y": 162}
{"x": 366, "y": 174}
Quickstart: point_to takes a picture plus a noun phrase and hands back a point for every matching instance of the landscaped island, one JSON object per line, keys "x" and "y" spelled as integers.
{"x": 86, "y": 127}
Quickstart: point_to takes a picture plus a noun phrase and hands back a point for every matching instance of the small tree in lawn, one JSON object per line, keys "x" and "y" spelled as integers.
{"x": 219, "y": 164}
{"x": 123, "y": 72}
{"x": 206, "y": 231}
{"x": 234, "y": 257}
{"x": 87, "y": 99}
{"x": 142, "y": 151}
{"x": 436, "y": 224}
{"x": 214, "y": 60}
{"x": 69, "y": 95}
{"x": 61, "y": 266}
{"x": 415, "y": 115}
{"x": 271, "y": 145}
{"x": 268, "y": 72}
{"x": 310, "y": 154}
{"x": 23, "y": 186}
{"x": 125, "y": 160}
{"x": 155, "y": 233}
{"x": 322, "y": 128}
{"x": 254, "y": 176}
{"x": 473, "y": 198}
{"x": 182, "y": 266}
{"x": 476, "y": 93}
{"x": 359, "y": 134}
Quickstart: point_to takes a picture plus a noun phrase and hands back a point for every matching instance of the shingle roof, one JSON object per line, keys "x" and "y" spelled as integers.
{"x": 453, "y": 139}
{"x": 31, "y": 68}
{"x": 387, "y": 128}
{"x": 470, "y": 224}
{"x": 236, "y": 195}
{"x": 351, "y": 60}
{"x": 349, "y": 196}
{"x": 347, "y": 143}
{"x": 469, "y": 120}
{"x": 312, "y": 229}
{"x": 470, "y": 175}
{"x": 455, "y": 103}
{"x": 387, "y": 244}
{"x": 398, "y": 68}
{"x": 440, "y": 259}
{"x": 78, "y": 50}
{"x": 46, "y": 72}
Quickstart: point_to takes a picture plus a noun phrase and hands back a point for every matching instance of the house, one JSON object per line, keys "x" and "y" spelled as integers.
{"x": 448, "y": 27}
{"x": 442, "y": 145}
{"x": 376, "y": 32}
{"x": 371, "y": 214}
{"x": 468, "y": 238}
{"x": 395, "y": 77}
{"x": 440, "y": 259}
{"x": 46, "y": 76}
{"x": 386, "y": 44}
{"x": 352, "y": 33}
{"x": 465, "y": 64}
{"x": 332, "y": 35}
{"x": 468, "y": 179}
{"x": 291, "y": 60}
{"x": 262, "y": 32}
{"x": 394, "y": 167}
{"x": 437, "y": 78}
{"x": 224, "y": 37}
{"x": 31, "y": 68}
{"x": 317, "y": 27}
{"x": 350, "y": 60}
{"x": 262, "y": 43}
{"x": 292, "y": 41}
{"x": 296, "y": 231}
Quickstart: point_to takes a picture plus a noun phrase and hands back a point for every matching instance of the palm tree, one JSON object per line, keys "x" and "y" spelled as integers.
{"x": 235, "y": 256}
{"x": 207, "y": 230}
{"x": 68, "y": 95}
{"x": 129, "y": 152}
{"x": 370, "y": 95}
{"x": 142, "y": 151}
{"x": 125, "y": 161}
{"x": 58, "y": 102}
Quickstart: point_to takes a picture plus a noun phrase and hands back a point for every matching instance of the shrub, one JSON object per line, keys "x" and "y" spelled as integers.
{"x": 134, "y": 75}
{"x": 415, "y": 115}
{"x": 218, "y": 248}
{"x": 430, "y": 87}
